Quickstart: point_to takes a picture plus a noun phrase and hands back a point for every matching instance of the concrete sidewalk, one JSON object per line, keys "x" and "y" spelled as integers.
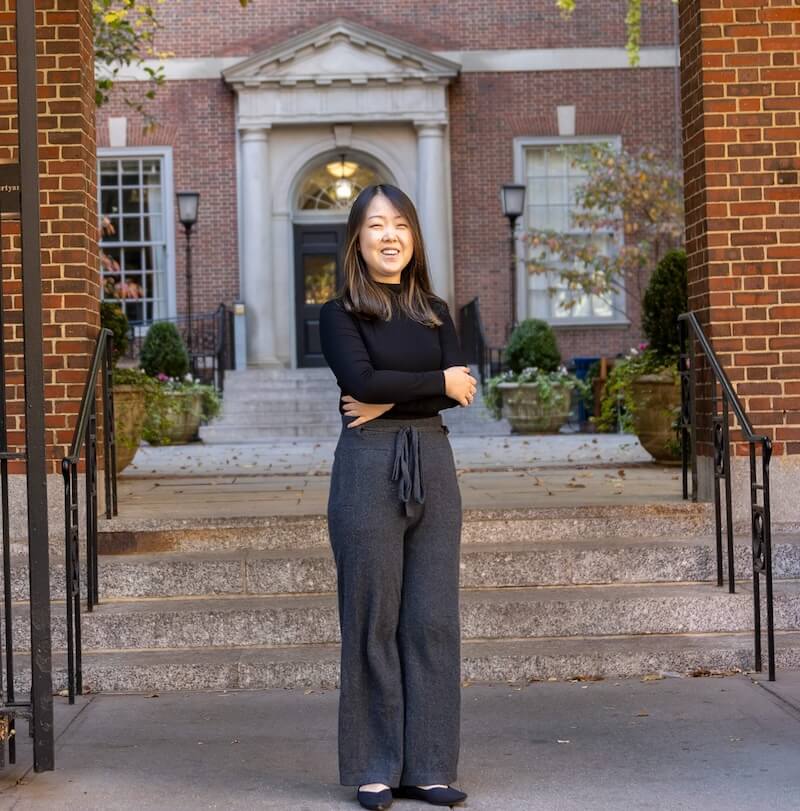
{"x": 677, "y": 743}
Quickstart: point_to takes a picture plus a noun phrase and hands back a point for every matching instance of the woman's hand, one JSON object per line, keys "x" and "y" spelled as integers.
{"x": 460, "y": 384}
{"x": 363, "y": 411}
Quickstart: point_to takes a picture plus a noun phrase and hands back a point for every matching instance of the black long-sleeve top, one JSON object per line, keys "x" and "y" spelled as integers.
{"x": 399, "y": 361}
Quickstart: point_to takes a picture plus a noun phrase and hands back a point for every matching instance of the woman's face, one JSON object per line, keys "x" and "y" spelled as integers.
{"x": 385, "y": 240}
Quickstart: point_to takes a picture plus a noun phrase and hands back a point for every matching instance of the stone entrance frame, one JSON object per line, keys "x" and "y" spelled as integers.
{"x": 340, "y": 85}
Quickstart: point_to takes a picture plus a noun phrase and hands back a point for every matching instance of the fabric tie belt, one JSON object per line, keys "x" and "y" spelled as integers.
{"x": 407, "y": 467}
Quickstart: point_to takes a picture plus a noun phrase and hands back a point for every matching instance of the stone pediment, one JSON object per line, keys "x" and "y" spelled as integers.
{"x": 341, "y": 52}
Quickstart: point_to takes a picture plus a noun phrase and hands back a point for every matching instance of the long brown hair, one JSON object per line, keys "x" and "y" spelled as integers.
{"x": 369, "y": 299}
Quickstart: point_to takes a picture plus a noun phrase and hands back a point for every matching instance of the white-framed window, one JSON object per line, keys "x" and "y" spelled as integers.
{"x": 551, "y": 181}
{"x": 134, "y": 191}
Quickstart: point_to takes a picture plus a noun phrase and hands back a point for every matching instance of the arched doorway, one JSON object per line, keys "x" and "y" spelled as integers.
{"x": 325, "y": 192}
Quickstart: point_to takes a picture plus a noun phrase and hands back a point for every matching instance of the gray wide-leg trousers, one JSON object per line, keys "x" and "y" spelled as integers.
{"x": 394, "y": 518}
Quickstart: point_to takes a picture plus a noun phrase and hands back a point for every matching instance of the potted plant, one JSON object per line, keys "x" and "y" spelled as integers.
{"x": 176, "y": 403}
{"x": 643, "y": 393}
{"x": 128, "y": 391}
{"x": 535, "y": 393}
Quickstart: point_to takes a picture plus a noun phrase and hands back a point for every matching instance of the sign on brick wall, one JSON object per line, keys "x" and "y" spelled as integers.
{"x": 9, "y": 188}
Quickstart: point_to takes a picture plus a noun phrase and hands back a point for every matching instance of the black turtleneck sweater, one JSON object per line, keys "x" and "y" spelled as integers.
{"x": 399, "y": 361}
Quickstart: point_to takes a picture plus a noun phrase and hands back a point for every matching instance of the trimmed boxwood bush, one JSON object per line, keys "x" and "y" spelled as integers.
{"x": 112, "y": 317}
{"x": 664, "y": 300}
{"x": 163, "y": 351}
{"x": 533, "y": 343}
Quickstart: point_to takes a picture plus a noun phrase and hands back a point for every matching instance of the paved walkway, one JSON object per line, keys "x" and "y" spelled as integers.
{"x": 721, "y": 744}
{"x": 292, "y": 477}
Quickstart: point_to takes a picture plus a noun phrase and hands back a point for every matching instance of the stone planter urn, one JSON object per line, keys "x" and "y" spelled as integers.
{"x": 129, "y": 416}
{"x": 528, "y": 415}
{"x": 657, "y": 399}
{"x": 183, "y": 413}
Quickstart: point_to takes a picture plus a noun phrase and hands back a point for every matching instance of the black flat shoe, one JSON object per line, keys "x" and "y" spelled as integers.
{"x": 375, "y": 800}
{"x": 434, "y": 796}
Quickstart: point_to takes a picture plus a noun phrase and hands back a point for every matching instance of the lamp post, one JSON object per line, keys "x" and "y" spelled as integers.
{"x": 188, "y": 202}
{"x": 512, "y": 197}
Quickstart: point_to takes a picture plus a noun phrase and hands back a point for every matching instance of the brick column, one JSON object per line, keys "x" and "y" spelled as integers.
{"x": 70, "y": 269}
{"x": 740, "y": 75}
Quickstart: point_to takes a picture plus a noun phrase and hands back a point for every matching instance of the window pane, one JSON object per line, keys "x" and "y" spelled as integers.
{"x": 319, "y": 278}
{"x": 131, "y": 229}
{"x": 109, "y": 201}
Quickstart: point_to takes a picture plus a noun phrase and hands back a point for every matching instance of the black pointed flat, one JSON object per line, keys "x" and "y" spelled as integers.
{"x": 375, "y": 800}
{"x": 434, "y": 796}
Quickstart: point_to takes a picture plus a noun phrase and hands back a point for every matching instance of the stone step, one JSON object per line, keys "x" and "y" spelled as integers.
{"x": 212, "y": 435}
{"x": 670, "y": 520}
{"x": 533, "y": 563}
{"x": 252, "y": 375}
{"x": 518, "y": 661}
{"x": 485, "y": 614}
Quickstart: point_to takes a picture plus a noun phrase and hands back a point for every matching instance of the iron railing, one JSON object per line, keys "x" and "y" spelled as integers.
{"x": 208, "y": 338}
{"x": 489, "y": 360}
{"x": 85, "y": 440}
{"x": 722, "y": 399}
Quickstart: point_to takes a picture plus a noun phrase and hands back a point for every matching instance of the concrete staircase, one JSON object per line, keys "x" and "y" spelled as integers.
{"x": 261, "y": 404}
{"x": 605, "y": 591}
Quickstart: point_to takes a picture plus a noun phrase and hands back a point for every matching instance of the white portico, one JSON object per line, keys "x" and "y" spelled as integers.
{"x": 339, "y": 95}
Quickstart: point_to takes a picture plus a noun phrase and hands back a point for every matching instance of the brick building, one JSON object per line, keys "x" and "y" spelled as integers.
{"x": 266, "y": 108}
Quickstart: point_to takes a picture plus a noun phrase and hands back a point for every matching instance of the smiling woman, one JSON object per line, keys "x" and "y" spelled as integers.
{"x": 394, "y": 510}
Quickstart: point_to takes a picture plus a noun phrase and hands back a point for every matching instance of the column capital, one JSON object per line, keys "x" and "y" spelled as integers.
{"x": 251, "y": 133}
{"x": 430, "y": 129}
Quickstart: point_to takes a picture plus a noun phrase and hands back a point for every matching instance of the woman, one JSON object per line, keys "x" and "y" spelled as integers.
{"x": 394, "y": 510}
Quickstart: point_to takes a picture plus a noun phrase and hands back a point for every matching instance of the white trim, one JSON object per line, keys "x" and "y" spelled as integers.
{"x": 500, "y": 60}
{"x": 519, "y": 144}
{"x": 536, "y": 59}
{"x": 165, "y": 153}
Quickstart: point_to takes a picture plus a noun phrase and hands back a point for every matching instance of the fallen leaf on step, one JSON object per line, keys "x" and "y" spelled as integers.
{"x": 575, "y": 485}
{"x": 652, "y": 677}
{"x": 621, "y": 473}
{"x": 642, "y": 714}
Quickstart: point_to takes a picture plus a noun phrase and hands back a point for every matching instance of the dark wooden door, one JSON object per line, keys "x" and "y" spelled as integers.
{"x": 318, "y": 254}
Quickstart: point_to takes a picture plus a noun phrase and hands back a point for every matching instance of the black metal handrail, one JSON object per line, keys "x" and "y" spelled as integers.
{"x": 207, "y": 336}
{"x": 760, "y": 521}
{"x": 85, "y": 437}
{"x": 489, "y": 360}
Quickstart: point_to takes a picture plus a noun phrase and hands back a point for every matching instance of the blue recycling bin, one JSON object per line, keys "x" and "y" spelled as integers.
{"x": 581, "y": 368}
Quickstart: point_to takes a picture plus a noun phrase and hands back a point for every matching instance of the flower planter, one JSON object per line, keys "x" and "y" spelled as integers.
{"x": 183, "y": 411}
{"x": 526, "y": 412}
{"x": 657, "y": 399}
{"x": 129, "y": 416}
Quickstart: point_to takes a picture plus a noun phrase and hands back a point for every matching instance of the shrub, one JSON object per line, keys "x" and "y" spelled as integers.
{"x": 533, "y": 344}
{"x": 112, "y": 317}
{"x": 664, "y": 300}
{"x": 163, "y": 351}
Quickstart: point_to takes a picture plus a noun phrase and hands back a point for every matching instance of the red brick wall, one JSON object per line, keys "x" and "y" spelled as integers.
{"x": 487, "y": 112}
{"x": 68, "y": 216}
{"x": 195, "y": 27}
{"x": 196, "y": 118}
{"x": 741, "y": 95}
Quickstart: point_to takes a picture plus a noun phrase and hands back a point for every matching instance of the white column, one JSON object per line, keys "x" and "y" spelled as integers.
{"x": 257, "y": 276}
{"x": 432, "y": 206}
